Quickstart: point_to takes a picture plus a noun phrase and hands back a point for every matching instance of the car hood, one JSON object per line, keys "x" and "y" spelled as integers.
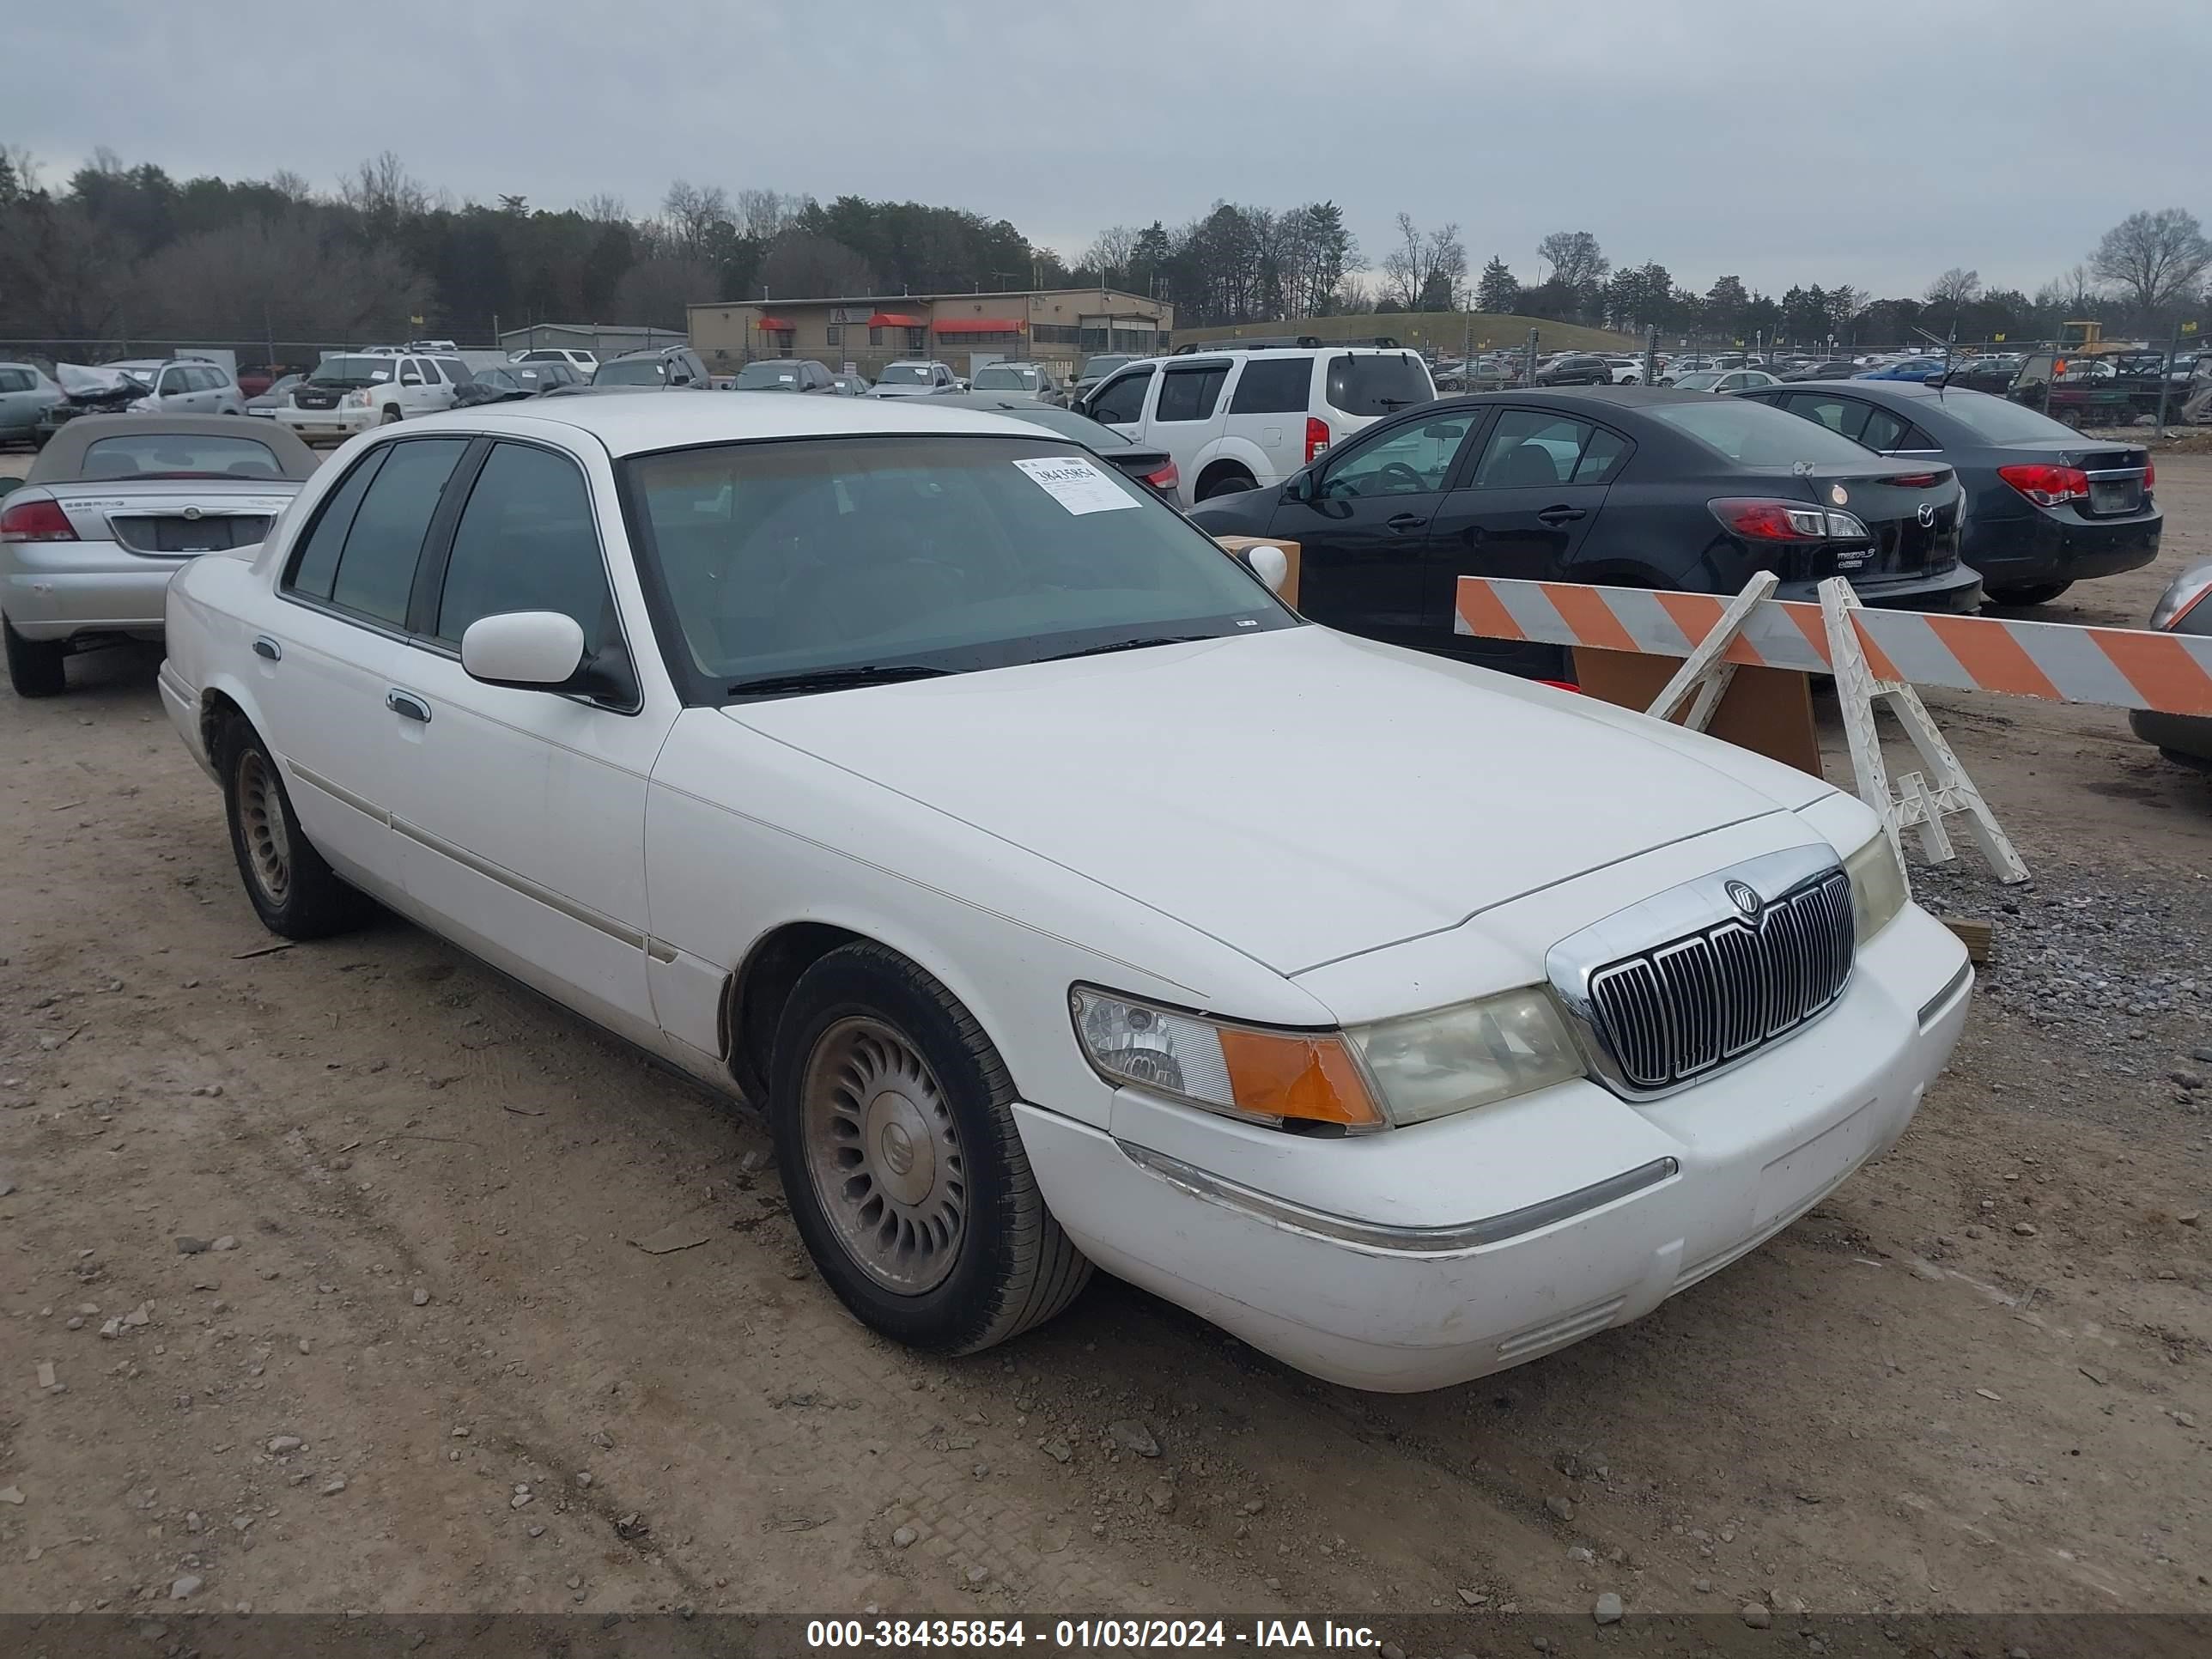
{"x": 1300, "y": 795}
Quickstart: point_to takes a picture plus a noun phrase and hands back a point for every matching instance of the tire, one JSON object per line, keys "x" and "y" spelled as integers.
{"x": 2070, "y": 417}
{"x": 2031, "y": 593}
{"x": 390, "y": 415}
{"x": 1225, "y": 484}
{"x": 34, "y": 666}
{"x": 295, "y": 894}
{"x": 875, "y": 1061}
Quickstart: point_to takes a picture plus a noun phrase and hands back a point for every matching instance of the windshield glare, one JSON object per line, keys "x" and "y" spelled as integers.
{"x": 1756, "y": 435}
{"x": 754, "y": 376}
{"x": 998, "y": 379}
{"x": 905, "y": 373}
{"x": 950, "y": 552}
{"x": 353, "y": 371}
{"x": 644, "y": 370}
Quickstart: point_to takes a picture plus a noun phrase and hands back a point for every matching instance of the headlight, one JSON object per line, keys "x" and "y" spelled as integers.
{"x": 1451, "y": 1060}
{"x": 2180, "y": 596}
{"x": 356, "y": 399}
{"x": 1395, "y": 1070}
{"x": 1878, "y": 889}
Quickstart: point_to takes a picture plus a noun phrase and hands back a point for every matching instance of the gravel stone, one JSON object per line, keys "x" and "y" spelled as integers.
{"x": 903, "y": 1538}
{"x": 1562, "y": 1508}
{"x": 186, "y": 1587}
{"x": 421, "y": 1297}
{"x": 1608, "y": 1610}
{"x": 225, "y": 1243}
{"x": 1756, "y": 1615}
{"x": 1131, "y": 1436}
{"x": 285, "y": 1443}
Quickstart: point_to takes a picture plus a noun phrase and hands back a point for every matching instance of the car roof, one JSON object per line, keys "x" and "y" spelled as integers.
{"x": 63, "y": 458}
{"x": 638, "y": 423}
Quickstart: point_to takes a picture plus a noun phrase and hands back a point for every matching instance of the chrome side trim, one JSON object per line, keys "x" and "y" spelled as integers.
{"x": 1402, "y": 1240}
{"x": 1931, "y": 1010}
{"x": 522, "y": 884}
{"x": 344, "y": 796}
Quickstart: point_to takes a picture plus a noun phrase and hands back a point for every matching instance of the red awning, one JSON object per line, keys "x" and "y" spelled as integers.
{"x": 982, "y": 325}
{"x": 774, "y": 326}
{"x": 896, "y": 320}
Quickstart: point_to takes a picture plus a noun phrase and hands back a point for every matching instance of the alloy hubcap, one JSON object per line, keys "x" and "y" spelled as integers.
{"x": 883, "y": 1155}
{"x": 261, "y": 815}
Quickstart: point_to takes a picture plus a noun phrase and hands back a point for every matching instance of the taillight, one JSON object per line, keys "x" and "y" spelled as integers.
{"x": 2150, "y": 475}
{"x": 2047, "y": 485}
{"x": 1165, "y": 479}
{"x": 1757, "y": 519}
{"x": 36, "y": 522}
{"x": 1317, "y": 437}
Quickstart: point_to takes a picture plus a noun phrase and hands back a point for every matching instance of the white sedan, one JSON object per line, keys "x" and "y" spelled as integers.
{"x": 1061, "y": 896}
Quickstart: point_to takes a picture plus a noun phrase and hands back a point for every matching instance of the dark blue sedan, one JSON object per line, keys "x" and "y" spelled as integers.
{"x": 2046, "y": 506}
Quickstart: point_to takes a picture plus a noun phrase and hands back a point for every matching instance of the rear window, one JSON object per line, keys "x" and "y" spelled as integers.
{"x": 908, "y": 374}
{"x": 1754, "y": 433}
{"x": 640, "y": 371}
{"x": 152, "y": 455}
{"x": 1272, "y": 385}
{"x": 768, "y": 377}
{"x": 2001, "y": 421}
{"x": 998, "y": 378}
{"x": 1378, "y": 385}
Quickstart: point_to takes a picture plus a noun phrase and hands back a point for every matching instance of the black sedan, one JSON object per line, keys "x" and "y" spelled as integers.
{"x": 2046, "y": 506}
{"x": 2185, "y": 608}
{"x": 1636, "y": 486}
{"x": 1154, "y": 468}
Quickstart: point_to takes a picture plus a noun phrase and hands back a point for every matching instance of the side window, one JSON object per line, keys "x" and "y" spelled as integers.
{"x": 1529, "y": 450}
{"x": 430, "y": 375}
{"x": 526, "y": 541}
{"x": 409, "y": 374}
{"x": 1916, "y": 439}
{"x": 376, "y": 568}
{"x": 1601, "y": 458}
{"x": 1884, "y": 431}
{"x": 13, "y": 380}
{"x": 1275, "y": 386}
{"x": 456, "y": 371}
{"x": 315, "y": 560}
{"x": 1845, "y": 416}
{"x": 1189, "y": 394}
{"x": 1121, "y": 399}
{"x": 1412, "y": 461}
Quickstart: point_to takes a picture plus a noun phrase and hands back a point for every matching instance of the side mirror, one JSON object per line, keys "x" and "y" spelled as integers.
{"x": 1302, "y": 487}
{"x": 411, "y": 379}
{"x": 1271, "y": 565}
{"x": 534, "y": 650}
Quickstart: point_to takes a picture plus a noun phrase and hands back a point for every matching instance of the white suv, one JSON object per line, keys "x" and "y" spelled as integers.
{"x": 582, "y": 361}
{"x": 355, "y": 391}
{"x": 1245, "y": 419}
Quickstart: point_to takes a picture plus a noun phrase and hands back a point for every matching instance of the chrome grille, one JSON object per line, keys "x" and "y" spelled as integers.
{"x": 1673, "y": 1011}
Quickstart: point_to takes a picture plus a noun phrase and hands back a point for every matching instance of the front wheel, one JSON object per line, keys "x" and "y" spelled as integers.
{"x": 391, "y": 417}
{"x": 906, "y": 1175}
{"x": 34, "y": 666}
{"x": 295, "y": 893}
{"x": 2032, "y": 593}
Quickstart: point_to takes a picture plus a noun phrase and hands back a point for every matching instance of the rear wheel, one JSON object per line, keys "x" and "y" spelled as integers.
{"x": 293, "y": 890}
{"x": 1224, "y": 481}
{"x": 34, "y": 666}
{"x": 2070, "y": 417}
{"x": 2032, "y": 593}
{"x": 905, "y": 1174}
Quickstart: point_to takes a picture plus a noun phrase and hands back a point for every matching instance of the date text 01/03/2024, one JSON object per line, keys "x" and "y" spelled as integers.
{"x": 1082, "y": 1634}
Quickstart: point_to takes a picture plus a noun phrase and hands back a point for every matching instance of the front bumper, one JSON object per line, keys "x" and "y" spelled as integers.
{"x": 1648, "y": 1200}
{"x": 328, "y": 422}
{"x": 58, "y": 589}
{"x": 2061, "y": 546}
{"x": 2185, "y": 738}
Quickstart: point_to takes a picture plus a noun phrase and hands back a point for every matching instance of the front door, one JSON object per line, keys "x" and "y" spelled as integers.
{"x": 1523, "y": 509}
{"x": 1363, "y": 534}
{"x": 521, "y": 828}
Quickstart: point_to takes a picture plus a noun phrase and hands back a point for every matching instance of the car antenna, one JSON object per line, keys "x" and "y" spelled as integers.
{"x": 1802, "y": 472}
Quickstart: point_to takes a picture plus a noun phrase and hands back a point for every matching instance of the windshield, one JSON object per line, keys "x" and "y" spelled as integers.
{"x": 997, "y": 377}
{"x": 504, "y": 380}
{"x": 1096, "y": 369}
{"x": 1700, "y": 382}
{"x": 1757, "y": 434}
{"x": 353, "y": 371}
{"x": 1378, "y": 385}
{"x": 2001, "y": 421}
{"x": 178, "y": 455}
{"x": 938, "y": 553}
{"x": 774, "y": 377}
{"x": 632, "y": 371}
{"x": 906, "y": 374}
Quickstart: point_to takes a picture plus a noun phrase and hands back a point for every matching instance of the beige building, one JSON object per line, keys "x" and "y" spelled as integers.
{"x": 1054, "y": 325}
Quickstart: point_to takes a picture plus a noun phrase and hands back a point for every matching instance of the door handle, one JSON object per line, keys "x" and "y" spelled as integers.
{"x": 1561, "y": 514}
{"x": 407, "y": 705}
{"x": 1405, "y": 521}
{"x": 265, "y": 647}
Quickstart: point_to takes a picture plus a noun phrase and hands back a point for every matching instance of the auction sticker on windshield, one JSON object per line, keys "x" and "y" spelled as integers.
{"x": 1076, "y": 484}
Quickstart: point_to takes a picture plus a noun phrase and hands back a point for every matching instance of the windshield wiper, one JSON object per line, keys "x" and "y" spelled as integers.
{"x": 832, "y": 679}
{"x": 1130, "y": 645}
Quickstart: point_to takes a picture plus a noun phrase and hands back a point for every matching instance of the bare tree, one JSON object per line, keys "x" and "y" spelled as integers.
{"x": 802, "y": 264}
{"x": 19, "y": 161}
{"x": 655, "y": 291}
{"x": 382, "y": 189}
{"x": 283, "y": 275}
{"x": 1578, "y": 262}
{"x": 767, "y": 214}
{"x": 292, "y": 187}
{"x": 605, "y": 208}
{"x": 1112, "y": 253}
{"x": 1402, "y": 266}
{"x": 692, "y": 213}
{"x": 1954, "y": 287}
{"x": 2154, "y": 258}
{"x": 2073, "y": 290}
{"x": 1351, "y": 296}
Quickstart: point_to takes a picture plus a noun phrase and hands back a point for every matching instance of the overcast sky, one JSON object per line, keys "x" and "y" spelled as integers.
{"x": 1875, "y": 142}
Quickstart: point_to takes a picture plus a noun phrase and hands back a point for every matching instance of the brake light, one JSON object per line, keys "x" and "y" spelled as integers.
{"x": 2150, "y": 475}
{"x": 2047, "y": 485}
{"x": 1756, "y": 519}
{"x": 36, "y": 522}
{"x": 1317, "y": 437}
{"x": 1165, "y": 479}
{"x": 1914, "y": 480}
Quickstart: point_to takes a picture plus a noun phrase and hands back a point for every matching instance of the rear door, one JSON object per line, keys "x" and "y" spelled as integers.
{"x": 1364, "y": 537}
{"x": 1526, "y": 505}
{"x": 1187, "y": 415}
{"x": 1269, "y": 402}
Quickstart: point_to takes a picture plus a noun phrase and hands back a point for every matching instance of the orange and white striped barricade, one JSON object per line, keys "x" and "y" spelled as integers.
{"x": 1873, "y": 654}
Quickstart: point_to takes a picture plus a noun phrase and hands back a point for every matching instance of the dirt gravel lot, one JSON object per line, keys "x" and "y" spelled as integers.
{"x": 421, "y": 1365}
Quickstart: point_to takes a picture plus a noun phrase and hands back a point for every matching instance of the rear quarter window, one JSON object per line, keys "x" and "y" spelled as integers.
{"x": 1274, "y": 386}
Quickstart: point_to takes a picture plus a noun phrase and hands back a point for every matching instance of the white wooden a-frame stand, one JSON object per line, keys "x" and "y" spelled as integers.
{"x": 1703, "y": 680}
